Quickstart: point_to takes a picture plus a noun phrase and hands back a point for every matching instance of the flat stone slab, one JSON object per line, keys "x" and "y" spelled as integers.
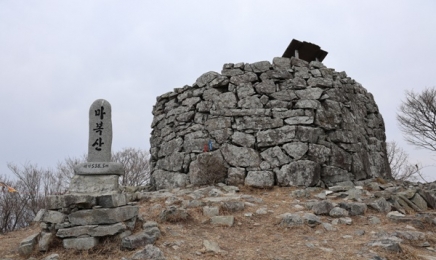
{"x": 82, "y": 243}
{"x": 65, "y": 201}
{"x": 103, "y": 216}
{"x": 222, "y": 220}
{"x": 49, "y": 216}
{"x": 112, "y": 200}
{"x": 92, "y": 230}
{"x": 94, "y": 184}
{"x": 86, "y": 201}
{"x": 146, "y": 237}
{"x": 99, "y": 168}
{"x": 27, "y": 245}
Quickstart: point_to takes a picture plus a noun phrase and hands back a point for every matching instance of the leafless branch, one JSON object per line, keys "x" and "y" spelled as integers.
{"x": 417, "y": 118}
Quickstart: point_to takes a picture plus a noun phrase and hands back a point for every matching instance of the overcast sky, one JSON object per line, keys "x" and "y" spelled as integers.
{"x": 57, "y": 57}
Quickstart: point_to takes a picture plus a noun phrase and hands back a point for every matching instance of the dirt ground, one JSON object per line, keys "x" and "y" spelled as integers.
{"x": 255, "y": 237}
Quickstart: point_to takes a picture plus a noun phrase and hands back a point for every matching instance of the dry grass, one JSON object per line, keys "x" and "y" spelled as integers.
{"x": 256, "y": 237}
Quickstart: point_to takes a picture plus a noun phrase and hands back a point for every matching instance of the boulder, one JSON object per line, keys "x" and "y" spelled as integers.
{"x": 168, "y": 180}
{"x": 102, "y": 216}
{"x": 240, "y": 156}
{"x": 299, "y": 173}
{"x": 208, "y": 168}
{"x": 82, "y": 243}
{"x": 260, "y": 179}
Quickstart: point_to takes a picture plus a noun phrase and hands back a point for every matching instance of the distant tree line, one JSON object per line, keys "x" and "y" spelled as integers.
{"x": 34, "y": 183}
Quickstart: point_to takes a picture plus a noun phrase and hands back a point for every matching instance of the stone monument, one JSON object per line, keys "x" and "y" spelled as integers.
{"x": 94, "y": 207}
{"x": 99, "y": 174}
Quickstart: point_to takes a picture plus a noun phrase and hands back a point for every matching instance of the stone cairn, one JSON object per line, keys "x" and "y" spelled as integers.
{"x": 289, "y": 123}
{"x": 94, "y": 207}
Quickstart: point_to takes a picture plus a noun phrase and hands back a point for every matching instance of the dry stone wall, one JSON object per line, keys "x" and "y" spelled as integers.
{"x": 286, "y": 123}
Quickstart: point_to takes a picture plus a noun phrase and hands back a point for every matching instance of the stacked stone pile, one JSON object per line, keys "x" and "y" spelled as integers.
{"x": 94, "y": 207}
{"x": 289, "y": 123}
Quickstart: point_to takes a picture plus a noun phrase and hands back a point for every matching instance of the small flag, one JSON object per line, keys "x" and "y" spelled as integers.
{"x": 210, "y": 145}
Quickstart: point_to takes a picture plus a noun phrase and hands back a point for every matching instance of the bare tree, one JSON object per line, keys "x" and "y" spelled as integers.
{"x": 417, "y": 118}
{"x": 33, "y": 184}
{"x": 401, "y": 168}
{"x": 64, "y": 173}
{"x": 136, "y": 166}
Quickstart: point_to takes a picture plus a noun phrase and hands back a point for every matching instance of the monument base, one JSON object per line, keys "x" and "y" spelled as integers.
{"x": 94, "y": 184}
{"x": 99, "y": 168}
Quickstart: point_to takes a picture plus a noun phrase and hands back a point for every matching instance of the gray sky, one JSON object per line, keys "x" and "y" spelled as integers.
{"x": 57, "y": 57}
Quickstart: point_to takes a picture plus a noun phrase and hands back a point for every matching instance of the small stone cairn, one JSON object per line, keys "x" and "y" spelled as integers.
{"x": 94, "y": 207}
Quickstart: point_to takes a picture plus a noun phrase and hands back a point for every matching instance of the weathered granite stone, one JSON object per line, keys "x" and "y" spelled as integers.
{"x": 310, "y": 93}
{"x": 296, "y": 149}
{"x": 49, "y": 216}
{"x": 290, "y": 220}
{"x": 173, "y": 214}
{"x": 282, "y": 63}
{"x": 233, "y": 206}
{"x": 96, "y": 184}
{"x": 354, "y": 208}
{"x": 419, "y": 202}
{"x": 236, "y": 176}
{"x": 338, "y": 212}
{"x": 99, "y": 168}
{"x": 103, "y": 215}
{"x": 245, "y": 90}
{"x": 211, "y": 211}
{"x": 299, "y": 173}
{"x": 240, "y": 156}
{"x": 207, "y": 77}
{"x": 112, "y": 200}
{"x": 275, "y": 137}
{"x": 311, "y": 220}
{"x": 275, "y": 156}
{"x": 208, "y": 168}
{"x": 67, "y": 200}
{"x": 169, "y": 147}
{"x": 260, "y": 179}
{"x": 284, "y": 95}
{"x": 168, "y": 180}
{"x": 222, "y": 220}
{"x": 82, "y": 243}
{"x": 322, "y": 207}
{"x": 243, "y": 139}
{"x": 28, "y": 244}
{"x": 381, "y": 205}
{"x": 258, "y": 67}
{"x": 148, "y": 236}
{"x": 149, "y": 252}
{"x": 91, "y": 230}
{"x": 100, "y": 131}
{"x": 173, "y": 162}
{"x": 44, "y": 241}
{"x": 257, "y": 123}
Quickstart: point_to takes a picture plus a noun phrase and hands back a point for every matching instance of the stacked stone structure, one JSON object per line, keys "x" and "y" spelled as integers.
{"x": 94, "y": 207}
{"x": 287, "y": 123}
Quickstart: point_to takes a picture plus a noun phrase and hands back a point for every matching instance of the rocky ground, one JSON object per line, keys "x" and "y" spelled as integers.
{"x": 374, "y": 220}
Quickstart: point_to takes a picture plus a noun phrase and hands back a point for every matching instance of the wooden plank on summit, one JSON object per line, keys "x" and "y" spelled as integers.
{"x": 100, "y": 131}
{"x": 305, "y": 51}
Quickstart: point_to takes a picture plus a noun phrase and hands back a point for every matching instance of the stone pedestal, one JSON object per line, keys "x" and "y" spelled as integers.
{"x": 94, "y": 206}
